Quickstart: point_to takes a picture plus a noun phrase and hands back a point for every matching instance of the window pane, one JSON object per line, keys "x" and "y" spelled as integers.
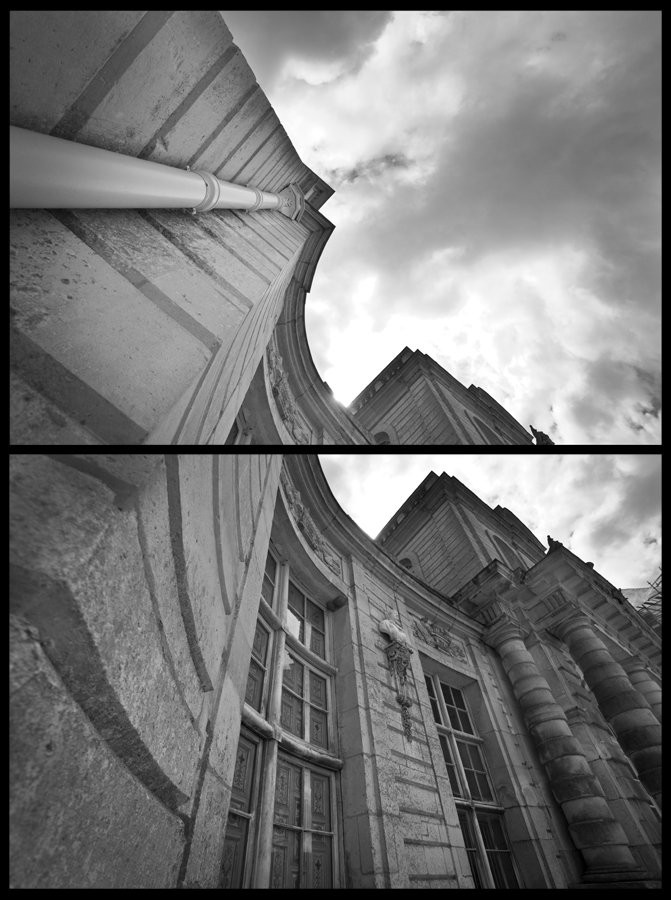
{"x": 267, "y": 590}
{"x": 254, "y": 685}
{"x": 295, "y": 625}
{"x": 271, "y": 566}
{"x": 432, "y": 700}
{"x": 472, "y": 785}
{"x": 317, "y": 690}
{"x": 315, "y": 616}
{"x": 292, "y": 714}
{"x": 321, "y": 806}
{"x": 296, "y": 600}
{"x": 469, "y": 840}
{"x": 288, "y": 793}
{"x": 454, "y": 718}
{"x": 286, "y": 863}
{"x": 476, "y": 758}
{"x": 449, "y": 765}
{"x": 463, "y": 753}
{"x": 319, "y": 875}
{"x": 447, "y": 694}
{"x": 502, "y": 870}
{"x": 317, "y": 643}
{"x": 465, "y": 723}
{"x": 293, "y": 675}
{"x": 483, "y": 784}
{"x": 318, "y": 730}
{"x": 458, "y": 698}
{"x": 235, "y": 843}
{"x": 260, "y": 645}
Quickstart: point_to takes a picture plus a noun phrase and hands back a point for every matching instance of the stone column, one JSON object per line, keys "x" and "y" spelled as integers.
{"x": 624, "y": 708}
{"x": 595, "y": 832}
{"x": 645, "y": 684}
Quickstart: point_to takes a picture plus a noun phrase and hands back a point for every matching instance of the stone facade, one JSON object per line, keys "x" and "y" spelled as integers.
{"x": 218, "y": 680}
{"x": 157, "y": 326}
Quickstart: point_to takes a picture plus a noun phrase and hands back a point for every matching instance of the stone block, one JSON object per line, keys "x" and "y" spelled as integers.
{"x": 578, "y": 785}
{"x": 95, "y": 323}
{"x": 207, "y": 843}
{"x": 63, "y": 48}
{"x": 597, "y": 833}
{"x": 79, "y": 818}
{"x": 557, "y": 747}
{"x": 626, "y": 701}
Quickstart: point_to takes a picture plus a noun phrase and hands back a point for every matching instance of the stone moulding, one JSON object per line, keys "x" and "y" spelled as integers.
{"x": 436, "y": 636}
{"x": 284, "y": 399}
{"x": 398, "y": 654}
{"x": 307, "y": 526}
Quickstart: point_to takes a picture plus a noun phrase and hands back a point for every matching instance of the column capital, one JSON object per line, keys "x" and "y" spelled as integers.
{"x": 573, "y": 620}
{"x": 502, "y": 629}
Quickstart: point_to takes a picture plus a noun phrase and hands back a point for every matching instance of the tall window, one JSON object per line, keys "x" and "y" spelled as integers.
{"x": 480, "y": 816}
{"x": 295, "y": 656}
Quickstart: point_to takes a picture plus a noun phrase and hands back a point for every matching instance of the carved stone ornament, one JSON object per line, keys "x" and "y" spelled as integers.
{"x": 398, "y": 653}
{"x": 284, "y": 398}
{"x": 437, "y": 636}
{"x": 541, "y": 438}
{"x": 553, "y": 545}
{"x": 307, "y": 526}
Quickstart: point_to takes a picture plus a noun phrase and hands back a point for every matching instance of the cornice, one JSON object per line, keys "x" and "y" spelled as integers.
{"x": 350, "y": 540}
{"x": 315, "y": 401}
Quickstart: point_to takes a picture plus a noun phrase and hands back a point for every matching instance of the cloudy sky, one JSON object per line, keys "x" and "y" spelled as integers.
{"x": 604, "y": 508}
{"x": 497, "y": 205}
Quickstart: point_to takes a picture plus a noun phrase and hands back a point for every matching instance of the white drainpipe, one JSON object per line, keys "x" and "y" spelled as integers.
{"x": 49, "y": 173}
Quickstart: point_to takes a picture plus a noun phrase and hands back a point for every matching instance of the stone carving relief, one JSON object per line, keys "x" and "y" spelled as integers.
{"x": 541, "y": 438}
{"x": 284, "y": 398}
{"x": 437, "y": 636}
{"x": 307, "y": 526}
{"x": 398, "y": 653}
{"x": 553, "y": 545}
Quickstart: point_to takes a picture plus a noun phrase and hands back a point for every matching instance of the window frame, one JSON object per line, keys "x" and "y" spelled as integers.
{"x": 466, "y": 804}
{"x": 298, "y": 751}
{"x": 307, "y": 767}
{"x": 307, "y": 625}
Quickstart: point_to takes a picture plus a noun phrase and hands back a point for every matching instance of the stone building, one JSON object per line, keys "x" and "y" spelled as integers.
{"x": 144, "y": 324}
{"x": 218, "y": 680}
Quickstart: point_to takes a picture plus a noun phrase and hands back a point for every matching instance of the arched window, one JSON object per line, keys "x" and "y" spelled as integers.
{"x": 406, "y": 563}
{"x": 382, "y": 438}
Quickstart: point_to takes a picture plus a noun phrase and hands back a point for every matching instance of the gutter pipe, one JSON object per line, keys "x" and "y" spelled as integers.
{"x": 47, "y": 172}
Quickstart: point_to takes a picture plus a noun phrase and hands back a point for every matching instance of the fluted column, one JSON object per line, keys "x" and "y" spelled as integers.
{"x": 645, "y": 684}
{"x": 625, "y": 709}
{"x": 595, "y": 832}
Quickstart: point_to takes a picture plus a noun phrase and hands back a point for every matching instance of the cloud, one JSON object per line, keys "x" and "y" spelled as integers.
{"x": 271, "y": 39}
{"x": 498, "y": 174}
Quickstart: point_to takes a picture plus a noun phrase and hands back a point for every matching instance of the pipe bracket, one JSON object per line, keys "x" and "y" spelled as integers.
{"x": 259, "y": 198}
{"x": 212, "y": 191}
